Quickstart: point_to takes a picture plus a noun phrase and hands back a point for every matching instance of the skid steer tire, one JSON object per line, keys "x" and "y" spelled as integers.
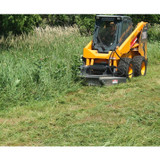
{"x": 125, "y": 68}
{"x": 140, "y": 66}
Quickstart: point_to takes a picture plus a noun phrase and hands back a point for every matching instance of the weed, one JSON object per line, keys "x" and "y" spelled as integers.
{"x": 41, "y": 65}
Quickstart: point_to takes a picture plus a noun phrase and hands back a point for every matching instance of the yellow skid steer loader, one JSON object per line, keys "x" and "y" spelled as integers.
{"x": 117, "y": 51}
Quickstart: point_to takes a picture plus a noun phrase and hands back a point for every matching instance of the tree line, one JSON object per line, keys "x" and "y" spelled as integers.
{"x": 17, "y": 24}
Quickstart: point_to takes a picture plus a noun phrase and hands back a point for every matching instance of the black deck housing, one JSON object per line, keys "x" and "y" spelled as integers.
{"x": 96, "y": 80}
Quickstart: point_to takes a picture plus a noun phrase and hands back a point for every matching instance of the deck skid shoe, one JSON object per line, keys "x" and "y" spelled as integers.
{"x": 98, "y": 80}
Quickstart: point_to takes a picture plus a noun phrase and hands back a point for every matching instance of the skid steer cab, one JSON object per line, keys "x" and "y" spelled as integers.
{"x": 117, "y": 52}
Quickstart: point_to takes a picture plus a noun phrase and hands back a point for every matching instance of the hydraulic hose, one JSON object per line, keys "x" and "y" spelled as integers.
{"x": 117, "y": 67}
{"x": 124, "y": 62}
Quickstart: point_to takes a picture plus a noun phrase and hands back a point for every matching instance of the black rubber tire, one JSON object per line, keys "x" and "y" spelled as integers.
{"x": 137, "y": 62}
{"x": 123, "y": 67}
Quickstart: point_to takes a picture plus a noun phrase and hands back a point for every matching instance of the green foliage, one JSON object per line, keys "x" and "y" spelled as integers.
{"x": 42, "y": 65}
{"x": 154, "y": 54}
{"x": 58, "y": 20}
{"x": 154, "y": 32}
{"x": 85, "y": 23}
{"x": 152, "y": 18}
{"x": 17, "y": 24}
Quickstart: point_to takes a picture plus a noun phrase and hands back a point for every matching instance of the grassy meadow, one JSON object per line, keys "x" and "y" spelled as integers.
{"x": 39, "y": 66}
{"x": 43, "y": 103}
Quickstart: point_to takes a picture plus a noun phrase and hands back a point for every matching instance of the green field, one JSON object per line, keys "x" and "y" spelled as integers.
{"x": 43, "y": 103}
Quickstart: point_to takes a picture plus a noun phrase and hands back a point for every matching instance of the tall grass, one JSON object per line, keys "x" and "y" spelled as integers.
{"x": 41, "y": 65}
{"x": 44, "y": 64}
{"x": 153, "y": 52}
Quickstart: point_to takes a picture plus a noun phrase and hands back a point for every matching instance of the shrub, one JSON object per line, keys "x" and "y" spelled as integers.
{"x": 154, "y": 32}
{"x": 85, "y": 23}
{"x": 152, "y": 18}
{"x": 58, "y": 20}
{"x": 17, "y": 24}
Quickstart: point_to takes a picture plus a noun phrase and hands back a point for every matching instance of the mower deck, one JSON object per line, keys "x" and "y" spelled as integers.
{"x": 94, "y": 80}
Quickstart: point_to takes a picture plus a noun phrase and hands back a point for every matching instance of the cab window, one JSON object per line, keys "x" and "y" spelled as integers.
{"x": 125, "y": 31}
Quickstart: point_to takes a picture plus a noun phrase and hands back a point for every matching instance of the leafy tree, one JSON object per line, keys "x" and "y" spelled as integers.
{"x": 16, "y": 24}
{"x": 85, "y": 23}
{"x": 150, "y": 18}
{"x": 61, "y": 19}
